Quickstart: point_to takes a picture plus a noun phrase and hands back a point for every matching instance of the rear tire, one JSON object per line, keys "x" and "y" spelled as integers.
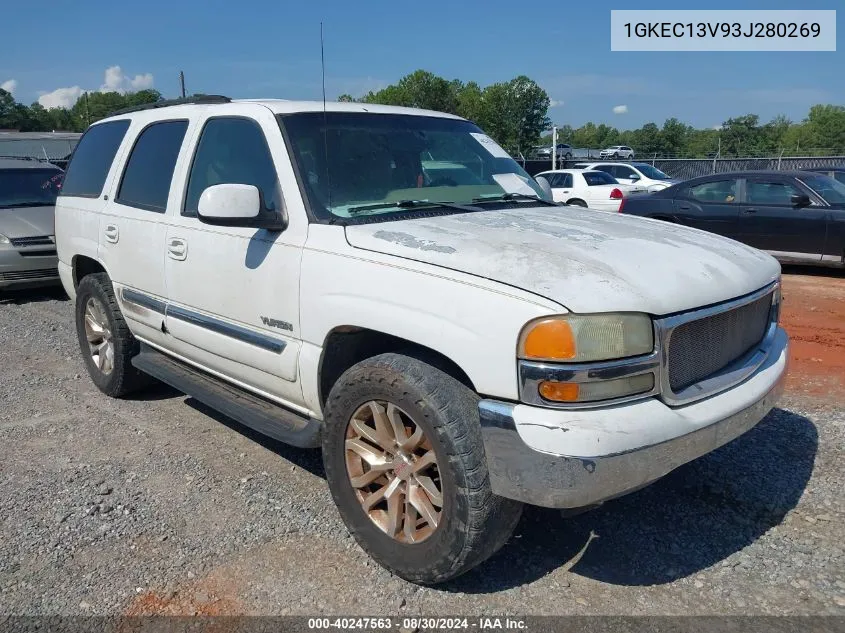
{"x": 469, "y": 523}
{"x": 576, "y": 202}
{"x": 106, "y": 343}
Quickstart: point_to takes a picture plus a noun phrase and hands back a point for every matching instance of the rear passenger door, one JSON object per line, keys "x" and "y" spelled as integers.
{"x": 711, "y": 206}
{"x": 233, "y": 292}
{"x": 771, "y": 222}
{"x": 133, "y": 229}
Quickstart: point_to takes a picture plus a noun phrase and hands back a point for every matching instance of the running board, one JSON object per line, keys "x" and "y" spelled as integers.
{"x": 261, "y": 415}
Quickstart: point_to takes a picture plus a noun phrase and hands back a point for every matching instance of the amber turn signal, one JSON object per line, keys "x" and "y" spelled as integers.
{"x": 551, "y": 339}
{"x": 559, "y": 391}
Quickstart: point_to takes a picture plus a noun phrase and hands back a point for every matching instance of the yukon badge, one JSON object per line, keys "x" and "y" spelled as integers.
{"x": 282, "y": 325}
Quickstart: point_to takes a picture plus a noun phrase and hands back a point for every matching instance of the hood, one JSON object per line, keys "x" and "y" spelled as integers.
{"x": 585, "y": 260}
{"x": 27, "y": 221}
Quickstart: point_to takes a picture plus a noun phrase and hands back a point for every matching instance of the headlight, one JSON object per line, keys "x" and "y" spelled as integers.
{"x": 579, "y": 338}
{"x": 3, "y": 239}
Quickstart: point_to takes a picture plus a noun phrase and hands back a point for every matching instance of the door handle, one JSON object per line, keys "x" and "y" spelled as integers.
{"x": 750, "y": 210}
{"x": 177, "y": 248}
{"x": 112, "y": 233}
{"x": 684, "y": 207}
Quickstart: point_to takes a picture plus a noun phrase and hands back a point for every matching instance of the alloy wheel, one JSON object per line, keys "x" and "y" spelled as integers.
{"x": 99, "y": 336}
{"x": 394, "y": 472}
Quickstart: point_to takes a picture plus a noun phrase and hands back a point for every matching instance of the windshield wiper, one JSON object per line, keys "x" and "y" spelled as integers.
{"x": 514, "y": 196}
{"x": 410, "y": 204}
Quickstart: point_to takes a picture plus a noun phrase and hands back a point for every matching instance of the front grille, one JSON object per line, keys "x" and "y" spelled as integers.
{"x": 41, "y": 252}
{"x": 701, "y": 348}
{"x": 17, "y": 275}
{"x": 41, "y": 240}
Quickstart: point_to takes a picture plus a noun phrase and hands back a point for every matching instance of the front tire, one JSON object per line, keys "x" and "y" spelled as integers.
{"x": 106, "y": 343}
{"x": 405, "y": 463}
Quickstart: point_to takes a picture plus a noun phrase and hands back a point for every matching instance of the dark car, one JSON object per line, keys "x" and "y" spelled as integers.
{"x": 797, "y": 216}
{"x": 837, "y": 173}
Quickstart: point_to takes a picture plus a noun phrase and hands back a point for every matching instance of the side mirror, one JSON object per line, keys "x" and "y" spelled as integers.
{"x": 800, "y": 200}
{"x": 633, "y": 177}
{"x": 237, "y": 205}
{"x": 545, "y": 186}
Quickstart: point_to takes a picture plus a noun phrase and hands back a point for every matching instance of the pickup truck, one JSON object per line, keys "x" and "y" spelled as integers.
{"x": 455, "y": 348}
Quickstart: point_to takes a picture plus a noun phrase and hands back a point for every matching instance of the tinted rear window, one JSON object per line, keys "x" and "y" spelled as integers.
{"x": 89, "y": 166}
{"x": 599, "y": 178}
{"x": 29, "y": 187}
{"x": 149, "y": 170}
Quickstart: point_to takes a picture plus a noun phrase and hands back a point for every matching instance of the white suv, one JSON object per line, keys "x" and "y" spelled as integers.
{"x": 455, "y": 348}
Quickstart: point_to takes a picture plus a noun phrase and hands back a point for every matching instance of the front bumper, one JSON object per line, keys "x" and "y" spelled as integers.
{"x": 24, "y": 267}
{"x": 572, "y": 459}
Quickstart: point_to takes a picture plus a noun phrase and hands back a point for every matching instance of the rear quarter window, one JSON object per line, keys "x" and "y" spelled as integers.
{"x": 92, "y": 159}
{"x": 149, "y": 170}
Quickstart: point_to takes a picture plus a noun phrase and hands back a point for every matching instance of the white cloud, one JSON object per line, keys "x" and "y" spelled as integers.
{"x": 116, "y": 81}
{"x": 555, "y": 103}
{"x": 620, "y": 109}
{"x": 141, "y": 82}
{"x": 61, "y": 97}
{"x": 113, "y": 81}
{"x": 10, "y": 86}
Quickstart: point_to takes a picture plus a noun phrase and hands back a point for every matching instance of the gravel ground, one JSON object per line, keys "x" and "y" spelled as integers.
{"x": 158, "y": 505}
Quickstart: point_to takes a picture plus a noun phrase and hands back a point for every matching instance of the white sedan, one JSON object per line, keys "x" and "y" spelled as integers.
{"x": 586, "y": 188}
{"x": 641, "y": 174}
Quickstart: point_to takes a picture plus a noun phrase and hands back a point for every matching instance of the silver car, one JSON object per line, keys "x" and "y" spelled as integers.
{"x": 28, "y": 189}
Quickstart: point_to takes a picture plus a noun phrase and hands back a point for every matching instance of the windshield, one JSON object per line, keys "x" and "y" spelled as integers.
{"x": 831, "y": 190}
{"x": 380, "y": 163}
{"x": 29, "y": 187}
{"x": 652, "y": 172}
{"x": 599, "y": 178}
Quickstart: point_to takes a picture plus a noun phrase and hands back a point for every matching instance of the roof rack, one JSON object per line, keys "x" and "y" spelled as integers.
{"x": 174, "y": 102}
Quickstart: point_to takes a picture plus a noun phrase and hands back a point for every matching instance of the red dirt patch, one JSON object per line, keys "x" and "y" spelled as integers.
{"x": 814, "y": 316}
{"x": 208, "y": 596}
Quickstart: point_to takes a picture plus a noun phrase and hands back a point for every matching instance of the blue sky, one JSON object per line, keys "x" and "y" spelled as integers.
{"x": 271, "y": 49}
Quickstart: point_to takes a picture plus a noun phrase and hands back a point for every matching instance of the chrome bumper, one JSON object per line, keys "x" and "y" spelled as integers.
{"x": 556, "y": 481}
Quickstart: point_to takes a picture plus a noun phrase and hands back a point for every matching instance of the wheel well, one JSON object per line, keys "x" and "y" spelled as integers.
{"x": 346, "y": 346}
{"x": 576, "y": 201}
{"x": 83, "y": 266}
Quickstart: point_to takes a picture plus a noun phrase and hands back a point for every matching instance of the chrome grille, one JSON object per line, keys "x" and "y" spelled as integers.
{"x": 40, "y": 240}
{"x": 698, "y": 349}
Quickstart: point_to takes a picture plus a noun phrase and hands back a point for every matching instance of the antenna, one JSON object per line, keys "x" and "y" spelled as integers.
{"x": 325, "y": 119}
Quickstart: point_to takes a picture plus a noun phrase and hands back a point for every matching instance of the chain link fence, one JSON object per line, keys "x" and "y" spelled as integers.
{"x": 686, "y": 168}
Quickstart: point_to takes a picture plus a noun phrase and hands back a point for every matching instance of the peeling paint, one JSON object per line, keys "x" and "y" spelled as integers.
{"x": 404, "y": 239}
{"x": 585, "y": 260}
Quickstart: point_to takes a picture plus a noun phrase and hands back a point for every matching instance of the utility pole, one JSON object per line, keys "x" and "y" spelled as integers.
{"x": 87, "y": 112}
{"x": 182, "y": 82}
{"x": 554, "y": 147}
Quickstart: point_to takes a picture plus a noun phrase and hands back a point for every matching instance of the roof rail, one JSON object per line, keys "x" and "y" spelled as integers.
{"x": 174, "y": 102}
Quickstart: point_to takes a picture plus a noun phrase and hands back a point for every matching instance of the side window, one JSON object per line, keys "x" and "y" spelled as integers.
{"x": 149, "y": 170}
{"x": 608, "y": 169}
{"x": 623, "y": 172}
{"x": 840, "y": 176}
{"x": 567, "y": 181}
{"x": 92, "y": 159}
{"x": 718, "y": 191}
{"x": 770, "y": 192}
{"x": 232, "y": 150}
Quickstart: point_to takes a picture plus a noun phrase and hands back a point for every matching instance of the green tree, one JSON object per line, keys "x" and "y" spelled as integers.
{"x": 826, "y": 127}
